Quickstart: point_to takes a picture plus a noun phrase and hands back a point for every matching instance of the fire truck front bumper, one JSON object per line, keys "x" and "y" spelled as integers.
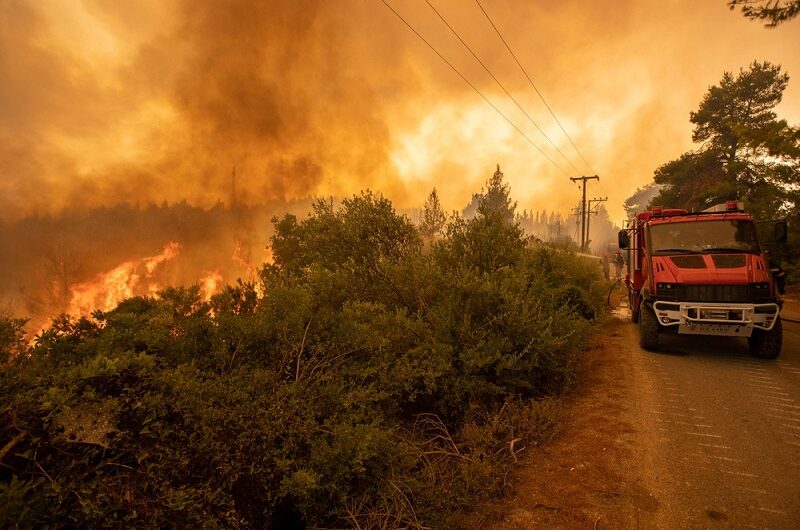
{"x": 705, "y": 318}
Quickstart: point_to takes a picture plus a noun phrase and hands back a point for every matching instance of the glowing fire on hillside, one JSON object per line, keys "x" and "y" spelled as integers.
{"x": 146, "y": 277}
{"x": 243, "y": 259}
{"x": 210, "y": 284}
{"x": 131, "y": 278}
{"x": 171, "y": 250}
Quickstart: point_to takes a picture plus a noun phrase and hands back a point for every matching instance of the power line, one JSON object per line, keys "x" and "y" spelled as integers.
{"x": 603, "y": 188}
{"x": 534, "y": 85}
{"x": 454, "y": 32}
{"x": 467, "y": 81}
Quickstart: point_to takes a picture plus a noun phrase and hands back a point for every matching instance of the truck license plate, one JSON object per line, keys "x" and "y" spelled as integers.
{"x": 726, "y": 330}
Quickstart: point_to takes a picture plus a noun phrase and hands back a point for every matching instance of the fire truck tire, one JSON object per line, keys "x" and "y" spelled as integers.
{"x": 633, "y": 301}
{"x": 767, "y": 344}
{"x": 648, "y": 329}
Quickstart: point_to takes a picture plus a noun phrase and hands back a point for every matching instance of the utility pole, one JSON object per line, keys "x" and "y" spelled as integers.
{"x": 583, "y": 207}
{"x": 590, "y": 212}
{"x": 233, "y": 204}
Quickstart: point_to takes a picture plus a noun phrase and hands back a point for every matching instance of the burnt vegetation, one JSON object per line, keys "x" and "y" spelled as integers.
{"x": 363, "y": 380}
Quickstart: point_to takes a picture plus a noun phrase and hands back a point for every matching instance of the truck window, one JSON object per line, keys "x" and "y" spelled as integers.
{"x": 704, "y": 236}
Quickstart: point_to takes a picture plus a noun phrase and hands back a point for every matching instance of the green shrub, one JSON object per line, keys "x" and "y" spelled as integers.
{"x": 373, "y": 383}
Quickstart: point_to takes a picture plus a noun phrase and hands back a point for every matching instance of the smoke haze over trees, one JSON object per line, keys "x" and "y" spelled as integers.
{"x": 361, "y": 371}
{"x": 641, "y": 199}
{"x": 57, "y": 258}
{"x": 48, "y": 256}
{"x": 146, "y": 101}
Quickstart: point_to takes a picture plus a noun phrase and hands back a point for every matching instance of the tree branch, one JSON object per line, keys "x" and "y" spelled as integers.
{"x": 10, "y": 445}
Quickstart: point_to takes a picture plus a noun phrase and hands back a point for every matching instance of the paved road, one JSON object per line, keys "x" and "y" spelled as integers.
{"x": 718, "y": 432}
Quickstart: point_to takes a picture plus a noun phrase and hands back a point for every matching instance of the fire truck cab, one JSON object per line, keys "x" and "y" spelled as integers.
{"x": 703, "y": 273}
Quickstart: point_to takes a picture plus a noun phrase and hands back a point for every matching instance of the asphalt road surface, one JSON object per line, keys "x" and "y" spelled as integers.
{"x": 717, "y": 432}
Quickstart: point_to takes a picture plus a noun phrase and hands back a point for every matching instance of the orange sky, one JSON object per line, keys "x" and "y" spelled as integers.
{"x": 104, "y": 101}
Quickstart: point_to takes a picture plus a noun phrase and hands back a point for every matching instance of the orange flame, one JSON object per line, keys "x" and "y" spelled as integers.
{"x": 210, "y": 284}
{"x": 171, "y": 250}
{"x": 107, "y": 290}
{"x": 244, "y": 261}
{"x": 240, "y": 258}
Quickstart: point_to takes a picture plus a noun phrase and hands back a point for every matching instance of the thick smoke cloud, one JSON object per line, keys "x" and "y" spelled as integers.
{"x": 262, "y": 88}
{"x": 265, "y": 88}
{"x": 144, "y": 101}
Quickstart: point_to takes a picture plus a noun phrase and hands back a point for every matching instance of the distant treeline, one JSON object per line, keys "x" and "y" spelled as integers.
{"x": 547, "y": 226}
{"x": 43, "y": 256}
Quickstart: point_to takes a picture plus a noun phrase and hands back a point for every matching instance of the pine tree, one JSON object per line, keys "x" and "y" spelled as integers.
{"x": 497, "y": 197}
{"x": 745, "y": 151}
{"x": 433, "y": 217}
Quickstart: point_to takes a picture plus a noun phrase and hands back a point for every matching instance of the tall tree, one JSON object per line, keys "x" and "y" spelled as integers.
{"x": 745, "y": 151}
{"x": 496, "y": 197}
{"x": 694, "y": 181}
{"x": 737, "y": 115}
{"x": 772, "y": 12}
{"x": 433, "y": 217}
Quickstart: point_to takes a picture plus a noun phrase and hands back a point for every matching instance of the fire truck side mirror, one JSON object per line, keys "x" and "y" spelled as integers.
{"x": 624, "y": 239}
{"x": 781, "y": 232}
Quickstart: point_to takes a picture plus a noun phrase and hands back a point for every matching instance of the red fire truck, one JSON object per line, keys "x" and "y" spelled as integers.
{"x": 703, "y": 273}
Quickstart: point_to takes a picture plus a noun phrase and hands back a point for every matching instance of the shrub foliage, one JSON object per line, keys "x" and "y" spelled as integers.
{"x": 367, "y": 382}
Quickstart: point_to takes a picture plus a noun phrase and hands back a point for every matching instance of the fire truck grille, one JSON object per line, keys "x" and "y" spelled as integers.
{"x": 714, "y": 293}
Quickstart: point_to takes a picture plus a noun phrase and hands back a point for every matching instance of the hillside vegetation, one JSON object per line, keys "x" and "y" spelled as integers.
{"x": 365, "y": 381}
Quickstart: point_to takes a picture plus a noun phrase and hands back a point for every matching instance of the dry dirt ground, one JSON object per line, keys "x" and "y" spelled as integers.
{"x": 589, "y": 475}
{"x": 582, "y": 477}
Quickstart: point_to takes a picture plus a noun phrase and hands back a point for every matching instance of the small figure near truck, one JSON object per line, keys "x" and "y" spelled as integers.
{"x": 702, "y": 273}
{"x": 619, "y": 262}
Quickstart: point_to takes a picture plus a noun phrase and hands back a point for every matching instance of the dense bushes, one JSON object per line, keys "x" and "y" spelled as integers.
{"x": 373, "y": 384}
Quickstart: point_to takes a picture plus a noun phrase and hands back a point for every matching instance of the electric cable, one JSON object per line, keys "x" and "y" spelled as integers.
{"x": 534, "y": 86}
{"x": 486, "y": 68}
{"x": 468, "y": 82}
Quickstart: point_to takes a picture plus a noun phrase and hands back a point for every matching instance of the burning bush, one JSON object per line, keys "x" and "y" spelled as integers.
{"x": 362, "y": 382}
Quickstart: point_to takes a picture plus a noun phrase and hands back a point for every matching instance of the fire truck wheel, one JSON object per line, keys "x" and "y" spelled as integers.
{"x": 633, "y": 303}
{"x": 767, "y": 344}
{"x": 648, "y": 329}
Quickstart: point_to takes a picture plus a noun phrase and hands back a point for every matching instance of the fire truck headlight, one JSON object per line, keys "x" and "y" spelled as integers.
{"x": 761, "y": 287}
{"x": 665, "y": 286}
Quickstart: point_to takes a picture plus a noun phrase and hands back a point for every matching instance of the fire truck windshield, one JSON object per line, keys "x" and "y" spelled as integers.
{"x": 691, "y": 237}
